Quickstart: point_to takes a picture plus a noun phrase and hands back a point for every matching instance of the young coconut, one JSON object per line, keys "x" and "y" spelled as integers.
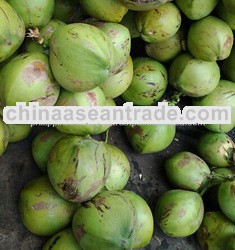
{"x": 216, "y": 39}
{"x": 222, "y": 95}
{"x": 12, "y": 30}
{"x": 42, "y": 144}
{"x": 43, "y": 211}
{"x": 159, "y": 24}
{"x": 179, "y": 213}
{"x": 150, "y": 138}
{"x": 186, "y": 170}
{"x": 215, "y": 231}
{"x": 148, "y": 84}
{"x": 217, "y": 149}
{"x": 78, "y": 167}
{"x": 62, "y": 240}
{"x": 113, "y": 220}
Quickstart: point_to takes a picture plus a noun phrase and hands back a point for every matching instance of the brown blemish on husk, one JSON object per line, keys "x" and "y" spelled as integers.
{"x": 80, "y": 232}
{"x": 184, "y": 161}
{"x": 91, "y": 98}
{"x": 232, "y": 188}
{"x": 35, "y": 72}
{"x": 181, "y": 212}
{"x": 135, "y": 130}
{"x": 40, "y": 206}
{"x": 99, "y": 202}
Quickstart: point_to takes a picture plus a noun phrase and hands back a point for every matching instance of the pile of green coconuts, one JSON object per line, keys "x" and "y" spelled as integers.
{"x": 84, "y": 53}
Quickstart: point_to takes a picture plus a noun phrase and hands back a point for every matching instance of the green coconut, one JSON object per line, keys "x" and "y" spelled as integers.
{"x": 12, "y": 30}
{"x": 216, "y": 39}
{"x": 193, "y": 77}
{"x": 34, "y": 13}
{"x": 159, "y": 24}
{"x": 87, "y": 60}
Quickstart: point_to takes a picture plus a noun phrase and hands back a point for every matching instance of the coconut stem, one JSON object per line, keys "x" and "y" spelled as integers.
{"x": 174, "y": 99}
{"x": 215, "y": 179}
{"x": 106, "y": 136}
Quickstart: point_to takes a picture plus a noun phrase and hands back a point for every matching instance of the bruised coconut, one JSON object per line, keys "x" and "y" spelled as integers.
{"x": 179, "y": 213}
{"x": 215, "y": 231}
{"x": 150, "y": 138}
{"x": 78, "y": 167}
{"x": 43, "y": 211}
{"x": 186, "y": 170}
{"x": 87, "y": 60}
{"x": 148, "y": 84}
{"x": 217, "y": 149}
{"x": 28, "y": 78}
{"x": 159, "y": 24}
{"x": 113, "y": 220}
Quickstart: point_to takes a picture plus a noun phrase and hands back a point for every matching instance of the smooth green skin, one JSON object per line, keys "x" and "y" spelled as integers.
{"x": 230, "y": 5}
{"x": 223, "y": 13}
{"x": 216, "y": 149}
{"x": 226, "y": 199}
{"x": 66, "y": 10}
{"x": 129, "y": 21}
{"x": 149, "y": 82}
{"x": 121, "y": 39}
{"x": 231, "y": 243}
{"x": 146, "y": 139}
{"x": 62, "y": 240}
{"x": 222, "y": 95}
{"x": 18, "y": 132}
{"x": 179, "y": 213}
{"x": 34, "y": 13}
{"x": 47, "y": 30}
{"x": 159, "y": 24}
{"x": 105, "y": 10}
{"x": 83, "y": 129}
{"x": 167, "y": 50}
{"x": 116, "y": 84}
{"x": 94, "y": 97}
{"x": 228, "y": 66}
{"x": 4, "y": 136}
{"x": 145, "y": 225}
{"x": 186, "y": 170}
{"x": 12, "y": 30}
{"x": 42, "y": 144}
{"x": 78, "y": 73}
{"x": 196, "y": 10}
{"x": 78, "y": 167}
{"x": 16, "y": 53}
{"x": 28, "y": 78}
{"x": 143, "y": 5}
{"x": 193, "y": 77}
{"x": 215, "y": 231}
{"x": 106, "y": 222}
{"x": 42, "y": 210}
{"x": 31, "y": 46}
{"x": 119, "y": 168}
{"x": 216, "y": 39}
